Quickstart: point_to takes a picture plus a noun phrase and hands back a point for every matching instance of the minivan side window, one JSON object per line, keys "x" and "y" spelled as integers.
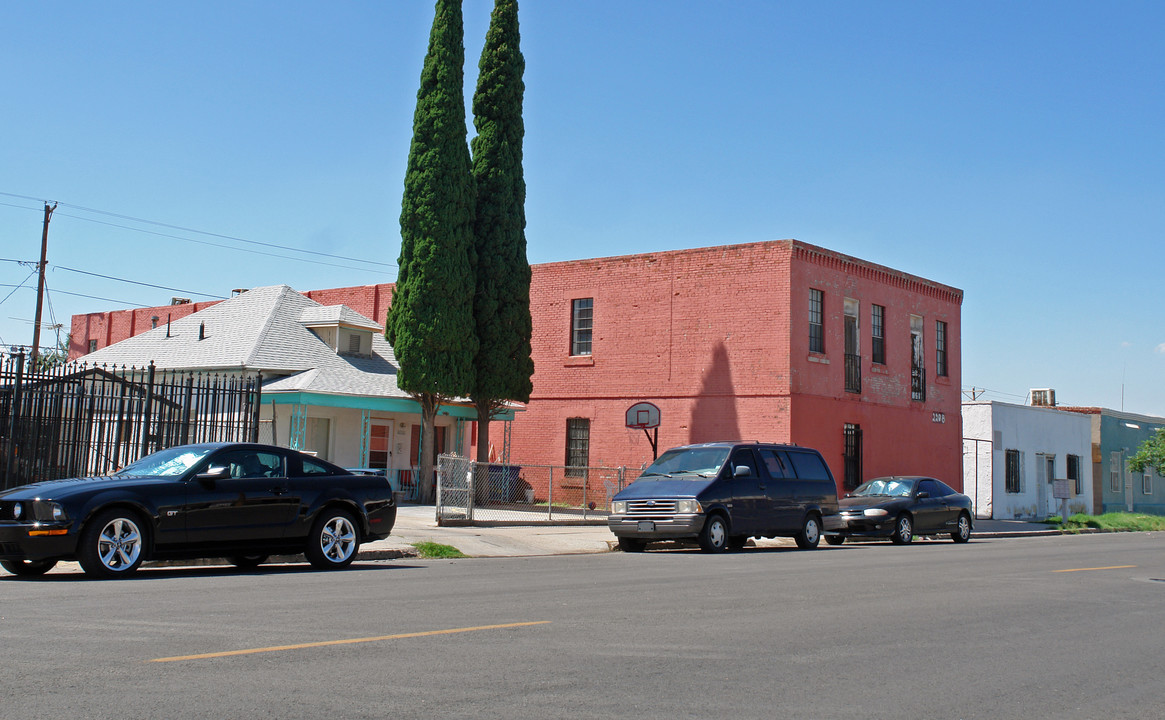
{"x": 809, "y": 466}
{"x": 742, "y": 457}
{"x": 773, "y": 464}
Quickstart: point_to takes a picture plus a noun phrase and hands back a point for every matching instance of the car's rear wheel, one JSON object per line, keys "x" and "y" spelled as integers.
{"x": 632, "y": 545}
{"x": 962, "y": 532}
{"x": 112, "y": 544}
{"x": 835, "y": 539}
{"x": 903, "y": 530}
{"x": 247, "y": 562}
{"x": 333, "y": 541}
{"x": 28, "y": 568}
{"x": 714, "y": 536}
{"x": 810, "y": 533}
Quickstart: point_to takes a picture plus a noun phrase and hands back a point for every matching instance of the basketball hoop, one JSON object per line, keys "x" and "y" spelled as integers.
{"x": 645, "y": 416}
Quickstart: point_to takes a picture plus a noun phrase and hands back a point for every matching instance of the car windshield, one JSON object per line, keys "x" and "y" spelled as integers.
{"x": 704, "y": 461}
{"x": 169, "y": 462}
{"x": 889, "y": 487}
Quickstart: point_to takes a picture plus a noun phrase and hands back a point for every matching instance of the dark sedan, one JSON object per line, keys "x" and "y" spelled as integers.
{"x": 901, "y": 508}
{"x": 239, "y": 501}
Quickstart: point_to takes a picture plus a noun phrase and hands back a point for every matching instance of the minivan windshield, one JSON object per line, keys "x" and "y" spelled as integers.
{"x": 702, "y": 461}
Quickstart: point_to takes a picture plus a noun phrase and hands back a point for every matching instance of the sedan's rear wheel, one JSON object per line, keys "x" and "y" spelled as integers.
{"x": 963, "y": 532}
{"x": 903, "y": 530}
{"x": 810, "y": 533}
{"x": 28, "y": 568}
{"x": 714, "y": 537}
{"x": 333, "y": 541}
{"x": 112, "y": 544}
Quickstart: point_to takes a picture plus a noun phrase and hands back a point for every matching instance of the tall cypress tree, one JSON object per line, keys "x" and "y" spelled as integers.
{"x": 430, "y": 322}
{"x": 502, "y": 300}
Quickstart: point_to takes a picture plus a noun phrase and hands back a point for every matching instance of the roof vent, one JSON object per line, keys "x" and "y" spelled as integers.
{"x": 179, "y": 301}
{"x": 1043, "y": 397}
{"x": 201, "y": 331}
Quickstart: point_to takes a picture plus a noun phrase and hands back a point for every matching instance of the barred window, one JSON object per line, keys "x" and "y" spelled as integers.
{"x": 940, "y": 343}
{"x": 578, "y": 446}
{"x": 816, "y": 321}
{"x": 878, "y": 335}
{"x": 1014, "y": 466}
{"x": 581, "y": 321}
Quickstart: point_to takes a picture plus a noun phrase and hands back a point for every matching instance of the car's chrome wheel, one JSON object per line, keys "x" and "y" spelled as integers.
{"x": 714, "y": 537}
{"x": 112, "y": 545}
{"x": 334, "y": 541}
{"x": 963, "y": 532}
{"x": 28, "y": 568}
{"x": 903, "y": 530}
{"x": 810, "y": 533}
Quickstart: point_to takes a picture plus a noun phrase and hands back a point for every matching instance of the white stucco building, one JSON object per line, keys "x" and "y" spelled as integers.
{"x": 1013, "y": 453}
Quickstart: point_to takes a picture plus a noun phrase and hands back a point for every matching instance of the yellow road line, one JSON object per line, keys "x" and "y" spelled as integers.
{"x": 1111, "y": 567}
{"x": 350, "y": 641}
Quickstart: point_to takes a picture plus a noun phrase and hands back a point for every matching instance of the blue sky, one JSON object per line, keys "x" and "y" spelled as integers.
{"x": 1013, "y": 150}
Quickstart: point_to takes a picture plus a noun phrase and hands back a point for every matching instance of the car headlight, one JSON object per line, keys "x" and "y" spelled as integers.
{"x": 618, "y": 507}
{"x": 688, "y": 507}
{"x": 875, "y": 512}
{"x": 17, "y": 511}
{"x": 57, "y": 512}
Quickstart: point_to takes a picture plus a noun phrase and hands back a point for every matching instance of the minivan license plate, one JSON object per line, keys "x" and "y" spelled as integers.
{"x": 646, "y": 526}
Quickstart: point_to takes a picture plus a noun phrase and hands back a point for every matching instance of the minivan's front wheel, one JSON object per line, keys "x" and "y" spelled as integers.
{"x": 810, "y": 533}
{"x": 333, "y": 541}
{"x": 714, "y": 536}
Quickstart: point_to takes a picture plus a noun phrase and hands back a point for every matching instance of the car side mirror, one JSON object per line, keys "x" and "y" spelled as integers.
{"x": 923, "y": 495}
{"x": 742, "y": 471}
{"x": 214, "y": 472}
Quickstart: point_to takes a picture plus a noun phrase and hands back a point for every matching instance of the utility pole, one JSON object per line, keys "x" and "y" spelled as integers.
{"x": 44, "y": 249}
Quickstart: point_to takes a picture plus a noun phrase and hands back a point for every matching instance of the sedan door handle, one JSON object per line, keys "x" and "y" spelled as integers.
{"x": 278, "y": 491}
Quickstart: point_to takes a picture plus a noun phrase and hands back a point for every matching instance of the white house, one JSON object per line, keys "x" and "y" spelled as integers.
{"x": 329, "y": 377}
{"x": 1012, "y": 454}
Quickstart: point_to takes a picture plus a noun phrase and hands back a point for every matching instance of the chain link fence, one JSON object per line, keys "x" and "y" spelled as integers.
{"x": 471, "y": 492}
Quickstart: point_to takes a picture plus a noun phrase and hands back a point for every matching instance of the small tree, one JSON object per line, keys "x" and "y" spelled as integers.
{"x": 430, "y": 321}
{"x": 502, "y": 299}
{"x": 1151, "y": 454}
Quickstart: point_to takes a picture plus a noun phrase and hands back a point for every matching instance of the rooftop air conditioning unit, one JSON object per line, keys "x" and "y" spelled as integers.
{"x": 1044, "y": 397}
{"x": 179, "y": 301}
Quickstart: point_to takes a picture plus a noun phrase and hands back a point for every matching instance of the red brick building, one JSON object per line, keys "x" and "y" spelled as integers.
{"x": 778, "y": 341}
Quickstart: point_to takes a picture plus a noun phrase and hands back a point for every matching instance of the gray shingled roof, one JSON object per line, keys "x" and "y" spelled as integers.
{"x": 262, "y": 329}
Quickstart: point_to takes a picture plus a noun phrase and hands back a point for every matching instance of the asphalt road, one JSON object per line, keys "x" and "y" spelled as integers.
{"x": 1065, "y": 627}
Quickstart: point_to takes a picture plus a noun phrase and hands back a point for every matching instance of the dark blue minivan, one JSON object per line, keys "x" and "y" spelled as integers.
{"x": 722, "y": 494}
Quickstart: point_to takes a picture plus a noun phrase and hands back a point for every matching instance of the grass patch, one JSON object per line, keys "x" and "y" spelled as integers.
{"x": 436, "y": 551}
{"x": 1129, "y": 522}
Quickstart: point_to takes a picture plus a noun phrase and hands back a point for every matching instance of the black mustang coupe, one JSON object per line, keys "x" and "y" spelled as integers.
{"x": 901, "y": 507}
{"x": 240, "y": 501}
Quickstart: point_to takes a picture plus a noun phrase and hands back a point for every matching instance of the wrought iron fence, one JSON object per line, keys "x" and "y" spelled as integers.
{"x": 78, "y": 420}
{"x": 469, "y": 491}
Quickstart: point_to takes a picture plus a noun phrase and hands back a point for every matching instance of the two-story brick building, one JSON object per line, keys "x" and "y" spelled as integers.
{"x": 779, "y": 341}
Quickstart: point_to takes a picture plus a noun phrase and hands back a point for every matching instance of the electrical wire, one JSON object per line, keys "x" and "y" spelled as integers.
{"x": 194, "y": 230}
{"x": 135, "y": 282}
{"x": 17, "y": 287}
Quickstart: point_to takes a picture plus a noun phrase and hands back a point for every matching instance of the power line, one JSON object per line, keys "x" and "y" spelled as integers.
{"x": 90, "y": 297}
{"x": 199, "y": 232}
{"x": 135, "y": 282}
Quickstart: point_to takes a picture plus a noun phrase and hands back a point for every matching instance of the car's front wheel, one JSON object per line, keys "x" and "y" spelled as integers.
{"x": 962, "y": 532}
{"x": 714, "y": 537}
{"x": 28, "y": 568}
{"x": 810, "y": 533}
{"x": 903, "y": 530}
{"x": 112, "y": 544}
{"x": 333, "y": 541}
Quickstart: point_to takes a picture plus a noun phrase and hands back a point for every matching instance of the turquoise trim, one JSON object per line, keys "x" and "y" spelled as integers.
{"x": 381, "y": 404}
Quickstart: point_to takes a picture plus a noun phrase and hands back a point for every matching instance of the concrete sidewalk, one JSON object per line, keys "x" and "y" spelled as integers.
{"x": 418, "y": 523}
